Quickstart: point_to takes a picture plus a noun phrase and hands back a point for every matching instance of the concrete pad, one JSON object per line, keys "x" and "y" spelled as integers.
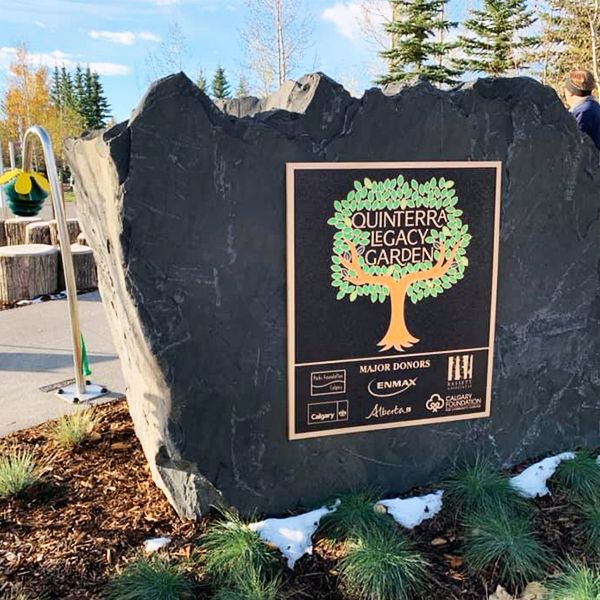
{"x": 35, "y": 351}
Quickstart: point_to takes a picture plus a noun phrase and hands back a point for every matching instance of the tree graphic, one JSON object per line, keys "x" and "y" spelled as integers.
{"x": 445, "y": 242}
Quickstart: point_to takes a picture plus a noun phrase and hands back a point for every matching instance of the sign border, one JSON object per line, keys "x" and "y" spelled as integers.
{"x": 291, "y": 168}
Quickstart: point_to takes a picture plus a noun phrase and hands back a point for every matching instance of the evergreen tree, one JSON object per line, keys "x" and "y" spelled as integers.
{"x": 67, "y": 90}
{"x": 242, "y": 89}
{"x": 101, "y": 107}
{"x": 220, "y": 86}
{"x": 55, "y": 89}
{"x": 79, "y": 91}
{"x": 201, "y": 81}
{"x": 497, "y": 44}
{"x": 418, "y": 48}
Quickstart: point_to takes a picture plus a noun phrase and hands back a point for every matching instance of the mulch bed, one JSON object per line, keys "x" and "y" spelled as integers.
{"x": 98, "y": 504}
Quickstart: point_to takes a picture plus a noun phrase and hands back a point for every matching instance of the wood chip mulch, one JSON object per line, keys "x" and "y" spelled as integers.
{"x": 97, "y": 504}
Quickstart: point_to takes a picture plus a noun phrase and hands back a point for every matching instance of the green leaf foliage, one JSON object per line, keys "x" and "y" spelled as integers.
{"x": 576, "y": 581}
{"x": 395, "y": 195}
{"x": 18, "y": 471}
{"x": 579, "y": 478}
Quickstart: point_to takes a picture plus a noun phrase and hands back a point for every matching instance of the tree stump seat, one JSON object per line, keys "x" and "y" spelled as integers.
{"x": 16, "y": 229}
{"x": 85, "y": 269}
{"x": 27, "y": 271}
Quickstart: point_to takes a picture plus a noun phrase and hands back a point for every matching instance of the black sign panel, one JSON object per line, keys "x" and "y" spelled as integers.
{"x": 392, "y": 271}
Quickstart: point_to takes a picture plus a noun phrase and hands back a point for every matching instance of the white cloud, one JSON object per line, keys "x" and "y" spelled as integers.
{"x": 58, "y": 58}
{"x": 126, "y": 38}
{"x": 148, "y": 36}
{"x": 116, "y": 37}
{"x": 346, "y": 17}
{"x": 40, "y": 24}
{"x": 167, "y": 2}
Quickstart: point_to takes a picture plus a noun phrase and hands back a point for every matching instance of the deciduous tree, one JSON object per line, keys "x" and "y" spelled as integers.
{"x": 275, "y": 37}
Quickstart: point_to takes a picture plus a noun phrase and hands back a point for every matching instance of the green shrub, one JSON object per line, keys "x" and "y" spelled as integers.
{"x": 354, "y": 515}
{"x": 255, "y": 586}
{"x": 71, "y": 430}
{"x": 155, "y": 578}
{"x": 382, "y": 565}
{"x": 579, "y": 477}
{"x": 18, "y": 471}
{"x": 476, "y": 486}
{"x": 576, "y": 582}
{"x": 232, "y": 553}
{"x": 590, "y": 527}
{"x": 503, "y": 542}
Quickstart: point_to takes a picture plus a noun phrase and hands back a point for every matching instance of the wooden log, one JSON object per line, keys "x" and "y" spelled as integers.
{"x": 86, "y": 277}
{"x": 27, "y": 271}
{"x": 72, "y": 227}
{"x": 81, "y": 239}
{"x": 38, "y": 233}
{"x": 15, "y": 229}
{"x": 2, "y": 233}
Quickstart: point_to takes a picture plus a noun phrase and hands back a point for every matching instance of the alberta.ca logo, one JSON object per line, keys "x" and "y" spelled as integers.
{"x": 460, "y": 371}
{"x": 435, "y": 403}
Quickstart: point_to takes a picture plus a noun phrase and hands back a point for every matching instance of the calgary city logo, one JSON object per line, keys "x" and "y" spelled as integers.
{"x": 398, "y": 238}
{"x": 435, "y": 403}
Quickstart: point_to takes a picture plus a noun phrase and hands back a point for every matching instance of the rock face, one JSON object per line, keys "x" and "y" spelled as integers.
{"x": 184, "y": 206}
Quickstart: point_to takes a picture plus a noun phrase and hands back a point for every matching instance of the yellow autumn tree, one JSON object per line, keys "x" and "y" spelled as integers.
{"x": 27, "y": 102}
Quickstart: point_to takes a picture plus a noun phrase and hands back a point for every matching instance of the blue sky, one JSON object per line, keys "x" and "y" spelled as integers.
{"x": 116, "y": 36}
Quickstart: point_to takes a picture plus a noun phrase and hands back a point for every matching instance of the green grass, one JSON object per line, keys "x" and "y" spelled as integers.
{"x": 382, "y": 565}
{"x": 578, "y": 477}
{"x": 576, "y": 582}
{"x": 18, "y": 471}
{"x": 232, "y": 553}
{"x": 256, "y": 586}
{"x": 590, "y": 526}
{"x": 476, "y": 486}
{"x": 69, "y": 196}
{"x": 504, "y": 543}
{"x": 354, "y": 515}
{"x": 71, "y": 430}
{"x": 151, "y": 579}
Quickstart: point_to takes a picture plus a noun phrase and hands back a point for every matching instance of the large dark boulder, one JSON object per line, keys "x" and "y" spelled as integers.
{"x": 184, "y": 206}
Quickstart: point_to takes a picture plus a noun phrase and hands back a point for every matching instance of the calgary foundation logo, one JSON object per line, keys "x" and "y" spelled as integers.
{"x": 398, "y": 239}
{"x": 435, "y": 403}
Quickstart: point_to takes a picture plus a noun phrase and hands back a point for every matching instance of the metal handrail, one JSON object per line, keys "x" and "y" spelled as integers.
{"x": 63, "y": 236}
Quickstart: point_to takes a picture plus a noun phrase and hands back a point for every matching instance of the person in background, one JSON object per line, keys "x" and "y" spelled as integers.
{"x": 578, "y": 94}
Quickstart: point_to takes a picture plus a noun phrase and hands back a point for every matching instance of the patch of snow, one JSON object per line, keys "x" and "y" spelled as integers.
{"x": 293, "y": 536}
{"x": 410, "y": 512}
{"x": 155, "y": 544}
{"x": 531, "y": 483}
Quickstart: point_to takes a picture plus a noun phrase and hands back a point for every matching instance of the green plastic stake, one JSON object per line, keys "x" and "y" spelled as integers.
{"x": 84, "y": 359}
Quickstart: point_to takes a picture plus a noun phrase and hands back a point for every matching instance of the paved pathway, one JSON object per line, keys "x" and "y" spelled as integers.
{"x": 35, "y": 351}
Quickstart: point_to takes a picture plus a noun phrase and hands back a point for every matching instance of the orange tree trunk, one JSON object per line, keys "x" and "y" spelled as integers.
{"x": 397, "y": 335}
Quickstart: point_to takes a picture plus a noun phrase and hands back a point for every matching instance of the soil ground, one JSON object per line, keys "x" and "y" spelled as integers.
{"x": 97, "y": 504}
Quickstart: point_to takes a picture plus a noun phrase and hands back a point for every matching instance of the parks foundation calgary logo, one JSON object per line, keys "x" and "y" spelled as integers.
{"x": 397, "y": 239}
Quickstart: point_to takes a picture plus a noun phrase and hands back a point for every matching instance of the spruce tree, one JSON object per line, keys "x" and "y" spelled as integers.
{"x": 418, "y": 49}
{"x": 242, "y": 89}
{"x": 497, "y": 44}
{"x": 67, "y": 90}
{"x": 220, "y": 86}
{"x": 79, "y": 91}
{"x": 55, "y": 89}
{"x": 201, "y": 81}
{"x": 101, "y": 107}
